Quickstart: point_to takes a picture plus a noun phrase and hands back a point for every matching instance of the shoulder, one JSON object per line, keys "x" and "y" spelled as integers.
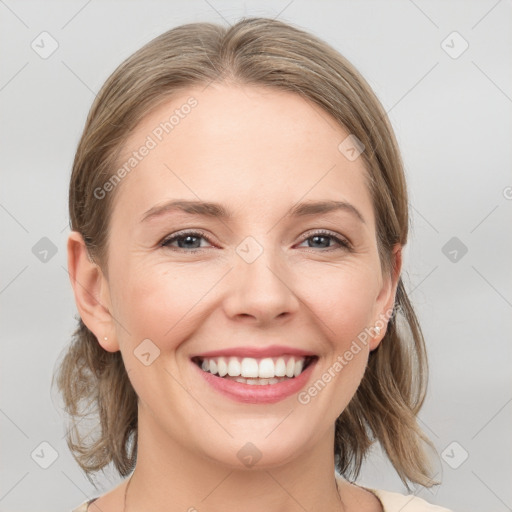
{"x": 111, "y": 500}
{"x": 83, "y": 507}
{"x": 395, "y": 502}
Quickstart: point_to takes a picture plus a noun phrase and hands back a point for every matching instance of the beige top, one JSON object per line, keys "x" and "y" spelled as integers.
{"x": 390, "y": 501}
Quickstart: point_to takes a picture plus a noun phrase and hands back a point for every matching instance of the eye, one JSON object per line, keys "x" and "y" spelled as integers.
{"x": 189, "y": 240}
{"x": 320, "y": 237}
{"x": 186, "y": 240}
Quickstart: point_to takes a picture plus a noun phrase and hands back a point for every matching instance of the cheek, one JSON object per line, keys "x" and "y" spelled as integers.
{"x": 162, "y": 304}
{"x": 166, "y": 304}
{"x": 158, "y": 309}
{"x": 345, "y": 306}
{"x": 345, "y": 301}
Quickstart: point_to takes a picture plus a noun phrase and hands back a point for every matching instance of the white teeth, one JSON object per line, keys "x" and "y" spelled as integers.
{"x": 262, "y": 371}
{"x": 297, "y": 370}
{"x": 280, "y": 368}
{"x": 266, "y": 368}
{"x": 222, "y": 367}
{"x": 257, "y": 382}
{"x": 249, "y": 367}
{"x": 233, "y": 367}
{"x": 290, "y": 367}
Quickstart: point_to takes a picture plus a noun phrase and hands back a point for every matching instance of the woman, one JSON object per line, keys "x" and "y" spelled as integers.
{"x": 238, "y": 212}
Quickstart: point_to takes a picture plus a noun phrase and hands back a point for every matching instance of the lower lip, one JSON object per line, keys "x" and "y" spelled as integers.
{"x": 255, "y": 394}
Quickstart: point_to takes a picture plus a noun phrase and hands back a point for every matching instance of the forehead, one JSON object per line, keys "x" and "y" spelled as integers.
{"x": 239, "y": 145}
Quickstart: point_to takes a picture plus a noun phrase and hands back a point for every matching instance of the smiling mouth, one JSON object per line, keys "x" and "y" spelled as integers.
{"x": 255, "y": 371}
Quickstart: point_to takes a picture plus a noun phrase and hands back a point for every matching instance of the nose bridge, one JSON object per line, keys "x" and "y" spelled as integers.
{"x": 260, "y": 281}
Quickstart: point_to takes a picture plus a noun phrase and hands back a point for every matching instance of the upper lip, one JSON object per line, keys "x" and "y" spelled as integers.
{"x": 256, "y": 352}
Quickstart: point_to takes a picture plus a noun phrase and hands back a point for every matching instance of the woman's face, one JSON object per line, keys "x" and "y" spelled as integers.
{"x": 275, "y": 278}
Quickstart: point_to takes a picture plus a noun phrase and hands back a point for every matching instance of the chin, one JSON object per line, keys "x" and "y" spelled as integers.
{"x": 255, "y": 450}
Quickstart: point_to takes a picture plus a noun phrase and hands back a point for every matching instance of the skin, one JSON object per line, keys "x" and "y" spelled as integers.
{"x": 258, "y": 152}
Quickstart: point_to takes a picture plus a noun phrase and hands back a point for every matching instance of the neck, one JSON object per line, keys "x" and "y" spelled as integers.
{"x": 170, "y": 477}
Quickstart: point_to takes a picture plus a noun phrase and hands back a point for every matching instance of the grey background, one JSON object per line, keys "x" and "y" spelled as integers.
{"x": 453, "y": 121}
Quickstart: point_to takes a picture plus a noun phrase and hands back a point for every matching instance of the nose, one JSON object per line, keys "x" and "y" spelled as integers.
{"x": 262, "y": 291}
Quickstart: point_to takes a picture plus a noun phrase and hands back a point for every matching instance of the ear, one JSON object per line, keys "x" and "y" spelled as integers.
{"x": 91, "y": 292}
{"x": 386, "y": 298}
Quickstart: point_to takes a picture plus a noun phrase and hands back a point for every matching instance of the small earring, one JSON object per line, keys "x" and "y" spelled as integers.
{"x": 105, "y": 338}
{"x": 377, "y": 330}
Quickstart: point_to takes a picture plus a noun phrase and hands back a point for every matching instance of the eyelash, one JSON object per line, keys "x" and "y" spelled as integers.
{"x": 344, "y": 244}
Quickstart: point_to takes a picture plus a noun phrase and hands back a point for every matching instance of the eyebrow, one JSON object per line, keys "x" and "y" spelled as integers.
{"x": 216, "y": 210}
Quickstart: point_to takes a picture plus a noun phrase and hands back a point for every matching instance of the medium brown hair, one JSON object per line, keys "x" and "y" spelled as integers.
{"x": 261, "y": 52}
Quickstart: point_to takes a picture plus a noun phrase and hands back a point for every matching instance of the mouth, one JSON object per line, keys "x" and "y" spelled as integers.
{"x": 255, "y": 371}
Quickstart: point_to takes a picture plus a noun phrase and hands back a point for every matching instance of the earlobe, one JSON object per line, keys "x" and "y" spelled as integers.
{"x": 386, "y": 299}
{"x": 90, "y": 289}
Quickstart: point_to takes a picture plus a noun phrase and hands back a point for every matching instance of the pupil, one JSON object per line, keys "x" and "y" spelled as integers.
{"x": 188, "y": 238}
{"x": 317, "y": 237}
